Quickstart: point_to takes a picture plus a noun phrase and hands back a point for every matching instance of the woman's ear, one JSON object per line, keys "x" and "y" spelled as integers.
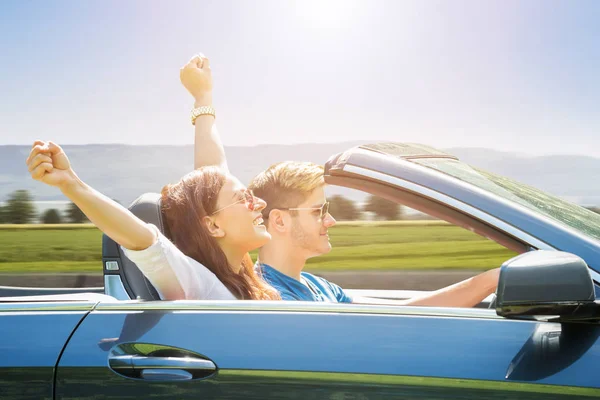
{"x": 213, "y": 229}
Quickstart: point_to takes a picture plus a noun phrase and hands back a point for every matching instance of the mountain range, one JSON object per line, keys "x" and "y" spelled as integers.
{"x": 123, "y": 172}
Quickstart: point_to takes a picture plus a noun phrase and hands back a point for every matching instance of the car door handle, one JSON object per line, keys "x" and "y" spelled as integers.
{"x": 143, "y": 362}
{"x": 161, "y": 368}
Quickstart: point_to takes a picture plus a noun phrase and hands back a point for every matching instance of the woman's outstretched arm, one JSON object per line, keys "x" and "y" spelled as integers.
{"x": 196, "y": 76}
{"x": 48, "y": 163}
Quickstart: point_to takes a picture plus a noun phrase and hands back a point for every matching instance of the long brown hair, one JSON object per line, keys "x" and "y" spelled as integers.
{"x": 184, "y": 205}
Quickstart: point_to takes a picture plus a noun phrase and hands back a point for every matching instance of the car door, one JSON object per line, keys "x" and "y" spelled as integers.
{"x": 32, "y": 336}
{"x": 295, "y": 350}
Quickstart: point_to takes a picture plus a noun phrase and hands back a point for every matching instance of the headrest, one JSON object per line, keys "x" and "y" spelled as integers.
{"x": 147, "y": 207}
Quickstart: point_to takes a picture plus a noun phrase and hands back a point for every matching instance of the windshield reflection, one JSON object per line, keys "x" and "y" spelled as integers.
{"x": 576, "y": 217}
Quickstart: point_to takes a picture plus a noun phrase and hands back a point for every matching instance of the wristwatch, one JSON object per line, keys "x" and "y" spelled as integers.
{"x": 203, "y": 110}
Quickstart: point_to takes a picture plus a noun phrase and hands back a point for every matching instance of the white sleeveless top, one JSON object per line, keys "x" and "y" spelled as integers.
{"x": 175, "y": 275}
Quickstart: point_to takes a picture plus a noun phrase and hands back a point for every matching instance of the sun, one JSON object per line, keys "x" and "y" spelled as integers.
{"x": 327, "y": 13}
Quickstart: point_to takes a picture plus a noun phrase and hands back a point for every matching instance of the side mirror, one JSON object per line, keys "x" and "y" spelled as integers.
{"x": 546, "y": 283}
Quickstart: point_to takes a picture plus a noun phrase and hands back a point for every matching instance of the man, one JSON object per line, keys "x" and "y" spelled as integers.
{"x": 297, "y": 220}
{"x": 297, "y": 217}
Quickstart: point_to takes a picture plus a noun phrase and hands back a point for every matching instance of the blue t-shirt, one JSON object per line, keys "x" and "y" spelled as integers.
{"x": 315, "y": 289}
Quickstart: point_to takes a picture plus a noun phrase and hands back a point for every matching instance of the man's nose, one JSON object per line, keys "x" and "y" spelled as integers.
{"x": 329, "y": 221}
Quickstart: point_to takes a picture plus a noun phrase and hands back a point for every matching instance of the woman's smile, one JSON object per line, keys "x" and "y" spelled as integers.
{"x": 258, "y": 221}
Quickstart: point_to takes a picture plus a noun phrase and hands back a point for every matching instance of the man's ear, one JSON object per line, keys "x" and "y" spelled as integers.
{"x": 213, "y": 229}
{"x": 278, "y": 220}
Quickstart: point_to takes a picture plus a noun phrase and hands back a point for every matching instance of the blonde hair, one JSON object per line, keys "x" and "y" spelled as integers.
{"x": 287, "y": 184}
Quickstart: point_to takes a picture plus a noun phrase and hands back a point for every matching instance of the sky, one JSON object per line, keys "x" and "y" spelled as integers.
{"x": 511, "y": 75}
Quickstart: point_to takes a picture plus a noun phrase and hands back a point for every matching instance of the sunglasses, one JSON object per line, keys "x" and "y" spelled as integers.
{"x": 248, "y": 198}
{"x": 324, "y": 209}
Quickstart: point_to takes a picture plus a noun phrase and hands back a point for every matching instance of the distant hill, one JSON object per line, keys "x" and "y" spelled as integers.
{"x": 123, "y": 172}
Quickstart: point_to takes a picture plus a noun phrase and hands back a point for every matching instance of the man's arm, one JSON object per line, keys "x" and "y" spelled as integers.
{"x": 467, "y": 293}
{"x": 196, "y": 76}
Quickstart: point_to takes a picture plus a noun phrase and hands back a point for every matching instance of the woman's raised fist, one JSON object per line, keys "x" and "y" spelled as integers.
{"x": 197, "y": 78}
{"x": 48, "y": 163}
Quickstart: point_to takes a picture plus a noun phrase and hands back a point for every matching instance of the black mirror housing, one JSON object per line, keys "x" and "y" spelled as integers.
{"x": 545, "y": 283}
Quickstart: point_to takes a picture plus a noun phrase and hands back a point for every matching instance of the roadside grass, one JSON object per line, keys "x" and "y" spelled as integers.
{"x": 414, "y": 245}
{"x": 51, "y": 267}
{"x": 46, "y": 227}
{"x": 476, "y": 255}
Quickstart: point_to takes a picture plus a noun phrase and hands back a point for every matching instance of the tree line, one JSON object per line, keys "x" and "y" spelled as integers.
{"x": 19, "y": 209}
{"x": 344, "y": 209}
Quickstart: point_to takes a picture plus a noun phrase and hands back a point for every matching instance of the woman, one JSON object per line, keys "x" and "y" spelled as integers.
{"x": 214, "y": 220}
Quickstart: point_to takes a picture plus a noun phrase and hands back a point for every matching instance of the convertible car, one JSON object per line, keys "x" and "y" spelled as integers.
{"x": 537, "y": 338}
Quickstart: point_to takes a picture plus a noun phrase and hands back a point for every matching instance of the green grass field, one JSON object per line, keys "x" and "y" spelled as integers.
{"x": 356, "y": 246}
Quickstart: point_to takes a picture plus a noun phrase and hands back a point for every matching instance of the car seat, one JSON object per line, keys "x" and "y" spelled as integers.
{"x": 122, "y": 278}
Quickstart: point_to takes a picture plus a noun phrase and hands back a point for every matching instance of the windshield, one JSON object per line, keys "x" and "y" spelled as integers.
{"x": 572, "y": 215}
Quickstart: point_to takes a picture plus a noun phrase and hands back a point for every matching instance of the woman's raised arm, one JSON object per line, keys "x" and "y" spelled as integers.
{"x": 196, "y": 77}
{"x": 48, "y": 163}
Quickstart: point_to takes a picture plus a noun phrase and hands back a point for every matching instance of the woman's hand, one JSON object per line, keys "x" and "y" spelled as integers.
{"x": 196, "y": 76}
{"x": 48, "y": 163}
